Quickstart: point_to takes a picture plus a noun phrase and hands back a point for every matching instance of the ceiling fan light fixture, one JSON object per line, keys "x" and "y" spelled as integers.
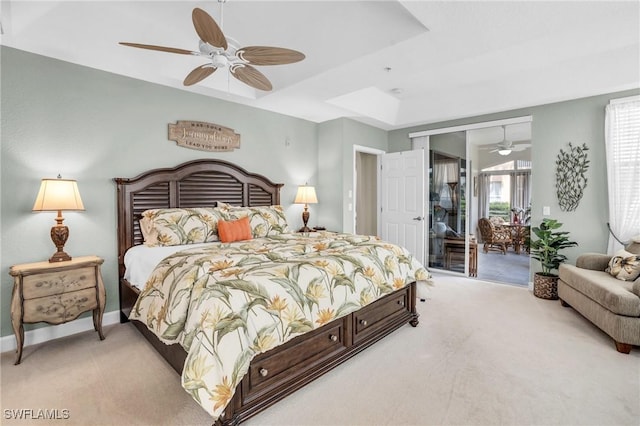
{"x": 504, "y": 151}
{"x": 240, "y": 61}
{"x": 219, "y": 61}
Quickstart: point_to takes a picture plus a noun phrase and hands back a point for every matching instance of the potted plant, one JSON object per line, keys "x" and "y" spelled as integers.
{"x": 546, "y": 249}
{"x": 521, "y": 215}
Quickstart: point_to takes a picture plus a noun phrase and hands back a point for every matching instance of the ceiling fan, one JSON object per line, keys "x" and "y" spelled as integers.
{"x": 224, "y": 52}
{"x": 505, "y": 147}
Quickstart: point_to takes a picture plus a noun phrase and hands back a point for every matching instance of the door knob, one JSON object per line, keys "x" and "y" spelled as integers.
{"x": 418, "y": 218}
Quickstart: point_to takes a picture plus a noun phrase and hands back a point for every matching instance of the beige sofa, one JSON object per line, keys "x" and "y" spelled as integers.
{"x": 611, "y": 304}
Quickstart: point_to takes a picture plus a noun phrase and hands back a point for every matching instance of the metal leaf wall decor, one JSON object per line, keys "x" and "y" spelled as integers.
{"x": 571, "y": 167}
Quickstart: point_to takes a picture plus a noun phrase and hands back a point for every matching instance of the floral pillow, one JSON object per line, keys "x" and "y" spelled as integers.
{"x": 624, "y": 266}
{"x": 264, "y": 220}
{"x": 175, "y": 226}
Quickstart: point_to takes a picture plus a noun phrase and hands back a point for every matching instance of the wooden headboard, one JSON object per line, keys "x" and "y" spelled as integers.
{"x": 199, "y": 183}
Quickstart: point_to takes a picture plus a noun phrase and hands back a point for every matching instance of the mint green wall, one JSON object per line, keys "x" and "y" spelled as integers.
{"x": 93, "y": 126}
{"x": 336, "y": 140}
{"x": 553, "y": 127}
{"x": 329, "y": 176}
{"x": 453, "y": 144}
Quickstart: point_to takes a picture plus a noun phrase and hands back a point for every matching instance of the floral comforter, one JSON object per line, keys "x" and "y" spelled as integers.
{"x": 226, "y": 303}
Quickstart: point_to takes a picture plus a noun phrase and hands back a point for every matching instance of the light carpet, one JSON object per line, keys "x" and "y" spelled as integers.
{"x": 483, "y": 354}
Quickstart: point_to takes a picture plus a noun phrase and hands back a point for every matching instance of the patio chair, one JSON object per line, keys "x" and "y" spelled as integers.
{"x": 494, "y": 237}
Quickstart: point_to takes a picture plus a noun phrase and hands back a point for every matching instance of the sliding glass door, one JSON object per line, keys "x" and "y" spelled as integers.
{"x": 467, "y": 181}
{"x": 448, "y": 215}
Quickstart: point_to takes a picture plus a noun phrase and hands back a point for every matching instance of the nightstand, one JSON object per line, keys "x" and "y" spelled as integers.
{"x": 56, "y": 293}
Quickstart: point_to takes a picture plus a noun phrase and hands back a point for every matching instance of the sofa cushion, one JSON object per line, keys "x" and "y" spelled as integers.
{"x": 595, "y": 261}
{"x": 634, "y": 246}
{"x": 615, "y": 295}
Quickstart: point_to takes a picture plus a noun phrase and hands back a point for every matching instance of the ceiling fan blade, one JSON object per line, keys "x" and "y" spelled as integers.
{"x": 207, "y": 29}
{"x": 198, "y": 74}
{"x": 251, "y": 76}
{"x": 266, "y": 55}
{"x": 160, "y": 48}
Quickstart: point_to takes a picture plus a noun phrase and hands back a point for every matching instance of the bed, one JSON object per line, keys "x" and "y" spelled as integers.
{"x": 282, "y": 368}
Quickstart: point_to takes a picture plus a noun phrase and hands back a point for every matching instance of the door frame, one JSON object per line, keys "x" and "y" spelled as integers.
{"x": 352, "y": 196}
{"x": 473, "y": 126}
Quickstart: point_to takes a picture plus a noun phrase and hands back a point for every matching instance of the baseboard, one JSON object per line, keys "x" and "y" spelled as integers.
{"x": 43, "y": 334}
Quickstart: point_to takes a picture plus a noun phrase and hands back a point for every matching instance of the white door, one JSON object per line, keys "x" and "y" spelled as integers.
{"x": 402, "y": 200}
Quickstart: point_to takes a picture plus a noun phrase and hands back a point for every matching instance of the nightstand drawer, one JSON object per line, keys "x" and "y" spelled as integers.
{"x": 61, "y": 307}
{"x": 46, "y": 284}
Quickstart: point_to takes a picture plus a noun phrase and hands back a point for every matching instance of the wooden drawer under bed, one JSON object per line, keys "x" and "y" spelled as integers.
{"x": 282, "y": 370}
{"x": 293, "y": 360}
{"x": 371, "y": 319}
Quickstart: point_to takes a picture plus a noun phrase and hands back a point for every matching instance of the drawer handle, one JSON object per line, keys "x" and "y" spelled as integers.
{"x": 264, "y": 372}
{"x": 401, "y": 302}
{"x": 363, "y": 322}
{"x": 333, "y": 337}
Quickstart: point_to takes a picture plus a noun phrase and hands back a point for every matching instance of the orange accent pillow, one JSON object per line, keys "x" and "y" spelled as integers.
{"x": 234, "y": 230}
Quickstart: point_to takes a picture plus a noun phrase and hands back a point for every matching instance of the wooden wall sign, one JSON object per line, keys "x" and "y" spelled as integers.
{"x": 203, "y": 136}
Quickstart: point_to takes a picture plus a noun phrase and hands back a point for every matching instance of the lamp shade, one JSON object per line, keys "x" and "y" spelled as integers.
{"x": 306, "y": 195}
{"x": 58, "y": 194}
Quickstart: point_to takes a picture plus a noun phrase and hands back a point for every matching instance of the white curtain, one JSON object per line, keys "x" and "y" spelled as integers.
{"x": 622, "y": 136}
{"x": 520, "y": 189}
{"x": 445, "y": 171}
{"x": 484, "y": 187}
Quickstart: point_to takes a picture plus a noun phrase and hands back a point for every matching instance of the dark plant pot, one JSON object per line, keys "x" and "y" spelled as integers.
{"x": 545, "y": 286}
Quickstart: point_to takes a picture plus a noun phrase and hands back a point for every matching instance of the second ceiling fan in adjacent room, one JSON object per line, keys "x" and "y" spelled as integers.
{"x": 505, "y": 147}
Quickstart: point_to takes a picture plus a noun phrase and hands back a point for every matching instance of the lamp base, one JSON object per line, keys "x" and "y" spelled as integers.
{"x": 59, "y": 236}
{"x": 305, "y": 220}
{"x": 59, "y": 256}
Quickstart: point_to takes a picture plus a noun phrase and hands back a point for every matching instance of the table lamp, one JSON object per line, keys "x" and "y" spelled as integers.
{"x": 306, "y": 195}
{"x": 58, "y": 195}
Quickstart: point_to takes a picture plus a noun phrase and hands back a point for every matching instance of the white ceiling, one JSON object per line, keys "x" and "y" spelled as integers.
{"x": 391, "y": 64}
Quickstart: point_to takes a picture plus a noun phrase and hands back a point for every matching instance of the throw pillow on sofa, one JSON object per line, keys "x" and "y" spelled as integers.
{"x": 624, "y": 266}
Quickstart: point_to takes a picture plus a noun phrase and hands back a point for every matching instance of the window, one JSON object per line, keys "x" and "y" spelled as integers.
{"x": 622, "y": 135}
{"x": 509, "y": 187}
